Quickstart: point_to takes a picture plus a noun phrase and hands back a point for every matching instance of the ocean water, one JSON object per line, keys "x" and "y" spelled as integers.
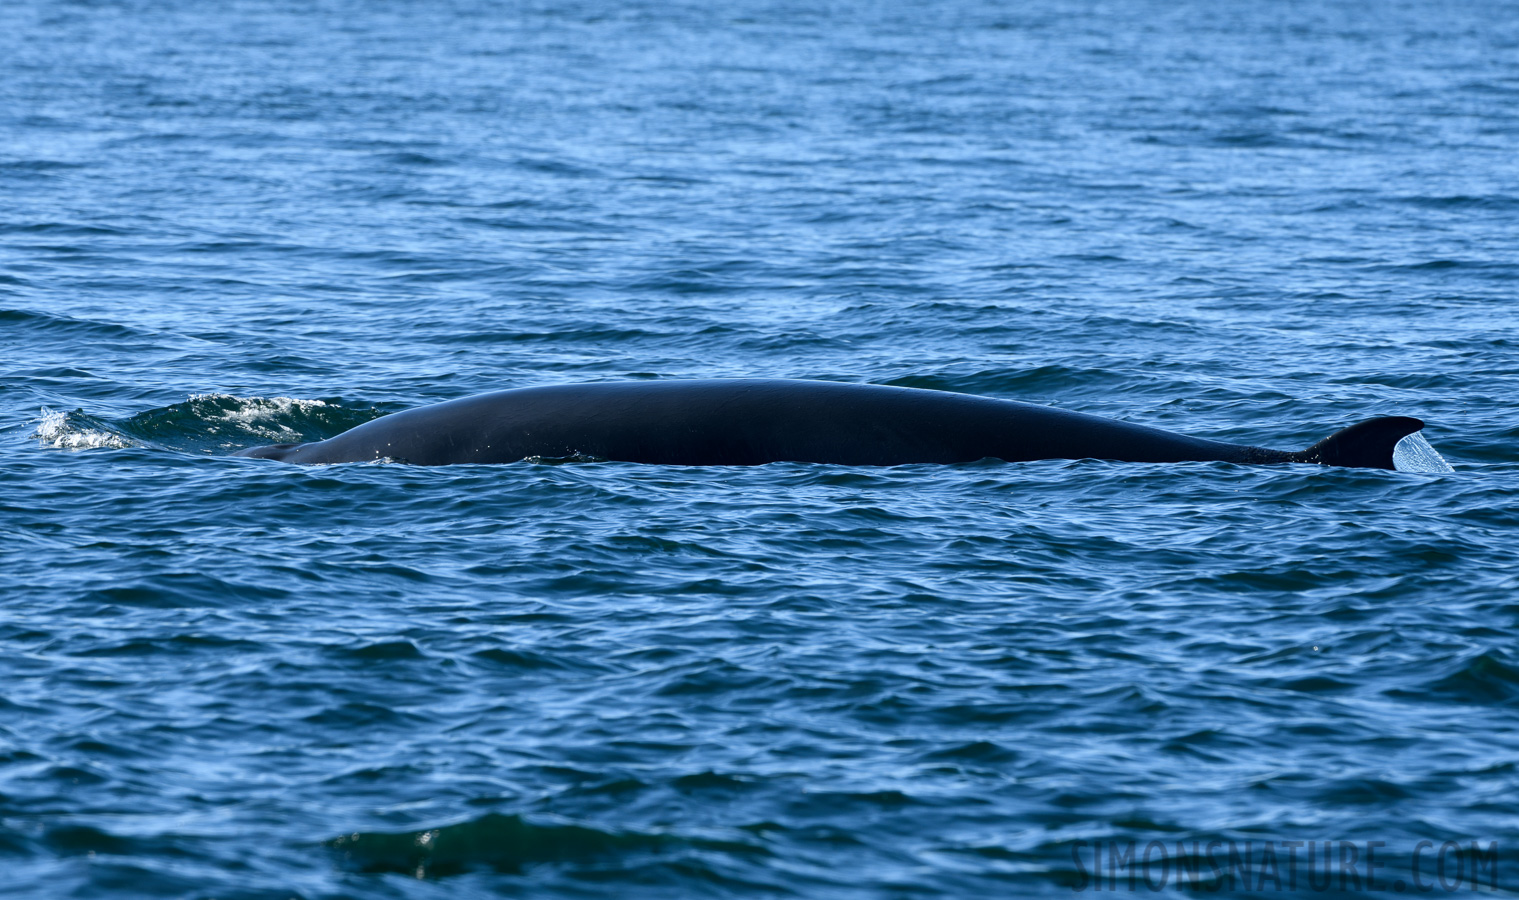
{"x": 229, "y": 224}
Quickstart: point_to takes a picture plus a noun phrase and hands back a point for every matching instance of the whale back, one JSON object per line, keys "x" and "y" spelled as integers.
{"x": 756, "y": 421}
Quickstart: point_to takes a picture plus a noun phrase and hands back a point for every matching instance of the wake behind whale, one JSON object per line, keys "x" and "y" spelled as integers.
{"x": 757, "y": 421}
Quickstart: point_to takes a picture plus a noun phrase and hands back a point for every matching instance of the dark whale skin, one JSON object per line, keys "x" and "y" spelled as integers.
{"x": 746, "y": 422}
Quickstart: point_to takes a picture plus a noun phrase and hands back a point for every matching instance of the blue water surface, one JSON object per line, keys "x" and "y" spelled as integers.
{"x": 229, "y": 224}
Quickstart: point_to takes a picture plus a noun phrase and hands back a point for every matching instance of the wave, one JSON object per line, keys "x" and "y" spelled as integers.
{"x": 78, "y": 431}
{"x": 205, "y": 423}
{"x": 58, "y": 325}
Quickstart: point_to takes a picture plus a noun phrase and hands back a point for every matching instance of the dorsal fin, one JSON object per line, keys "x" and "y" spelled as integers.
{"x": 1365, "y": 445}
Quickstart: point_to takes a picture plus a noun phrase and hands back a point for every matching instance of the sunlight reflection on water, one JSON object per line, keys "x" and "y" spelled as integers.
{"x": 1414, "y": 454}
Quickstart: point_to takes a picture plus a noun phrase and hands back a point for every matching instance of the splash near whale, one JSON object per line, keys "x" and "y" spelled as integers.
{"x": 757, "y": 421}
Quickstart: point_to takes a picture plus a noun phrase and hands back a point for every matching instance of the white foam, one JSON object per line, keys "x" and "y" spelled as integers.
{"x": 57, "y": 429}
{"x": 252, "y": 408}
{"x": 254, "y": 413}
{"x": 1414, "y": 454}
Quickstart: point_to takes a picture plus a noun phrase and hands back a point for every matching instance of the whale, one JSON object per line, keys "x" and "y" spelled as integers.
{"x": 748, "y": 422}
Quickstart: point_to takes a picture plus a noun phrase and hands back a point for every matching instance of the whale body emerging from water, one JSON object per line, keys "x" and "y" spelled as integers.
{"x": 756, "y": 421}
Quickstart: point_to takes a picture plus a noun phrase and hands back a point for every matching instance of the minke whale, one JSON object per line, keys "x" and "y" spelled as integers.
{"x": 751, "y": 422}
